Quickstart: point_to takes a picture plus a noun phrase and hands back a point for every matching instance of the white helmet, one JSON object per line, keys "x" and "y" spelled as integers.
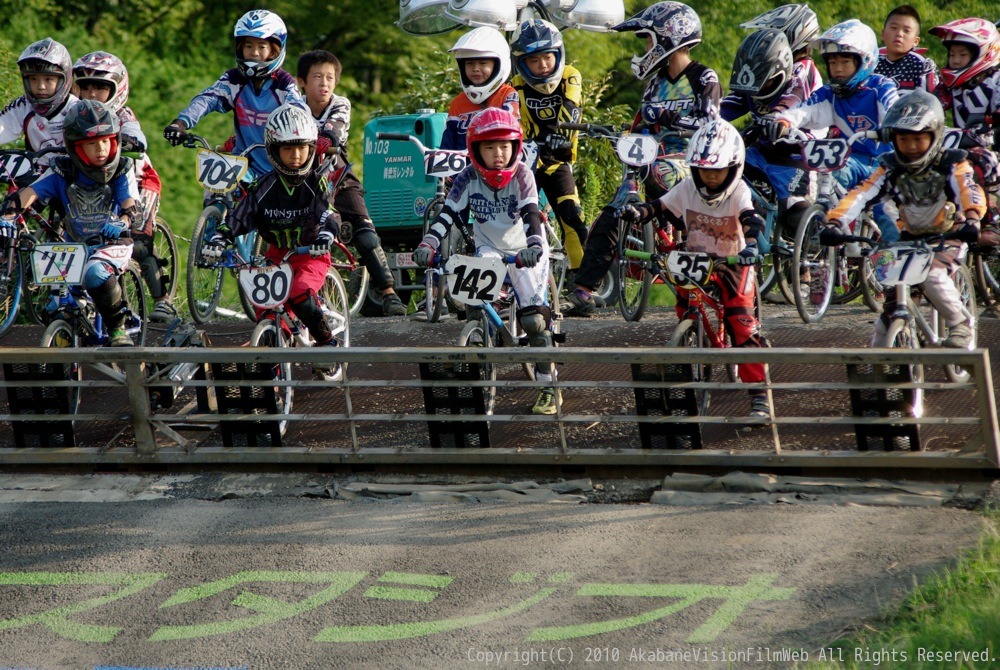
{"x": 716, "y": 145}
{"x": 855, "y": 39}
{"x": 290, "y": 125}
{"x": 485, "y": 44}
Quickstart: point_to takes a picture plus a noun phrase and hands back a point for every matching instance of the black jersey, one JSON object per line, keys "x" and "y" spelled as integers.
{"x": 286, "y": 217}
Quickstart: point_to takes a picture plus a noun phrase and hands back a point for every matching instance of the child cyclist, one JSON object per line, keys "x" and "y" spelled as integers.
{"x": 682, "y": 94}
{"x": 899, "y": 59}
{"x": 93, "y": 183}
{"x": 483, "y": 58}
{"x": 102, "y": 76}
{"x": 800, "y": 26}
{"x": 550, "y": 92}
{"x": 252, "y": 90}
{"x": 715, "y": 210}
{"x": 290, "y": 208}
{"x": 318, "y": 73}
{"x": 47, "y": 75}
{"x": 498, "y": 189}
{"x": 935, "y": 193}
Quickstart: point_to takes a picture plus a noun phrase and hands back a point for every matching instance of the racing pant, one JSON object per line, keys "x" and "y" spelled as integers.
{"x": 739, "y": 301}
{"x": 349, "y": 201}
{"x": 308, "y": 278}
{"x": 559, "y": 186}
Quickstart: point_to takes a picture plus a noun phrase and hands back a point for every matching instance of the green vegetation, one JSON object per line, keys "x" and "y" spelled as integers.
{"x": 957, "y": 610}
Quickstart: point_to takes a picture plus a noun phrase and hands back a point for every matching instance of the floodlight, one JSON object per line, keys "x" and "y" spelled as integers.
{"x": 424, "y": 17}
{"x": 596, "y": 15}
{"x": 500, "y": 14}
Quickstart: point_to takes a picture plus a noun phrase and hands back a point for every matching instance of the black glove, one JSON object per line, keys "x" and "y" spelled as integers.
{"x": 174, "y": 133}
{"x": 749, "y": 254}
{"x": 657, "y": 113}
{"x": 132, "y": 145}
{"x": 635, "y": 213}
{"x": 968, "y": 232}
{"x": 776, "y": 129}
{"x": 830, "y": 236}
{"x": 321, "y": 246}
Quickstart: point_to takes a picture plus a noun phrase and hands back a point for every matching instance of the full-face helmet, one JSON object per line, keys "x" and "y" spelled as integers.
{"x": 916, "y": 112}
{"x": 92, "y": 120}
{"x": 102, "y": 67}
{"x": 263, "y": 25}
{"x": 539, "y": 37}
{"x": 855, "y": 39}
{"x": 46, "y": 57}
{"x": 483, "y": 43}
{"x": 763, "y": 66}
{"x": 494, "y": 123}
{"x": 798, "y": 22}
{"x": 715, "y": 146}
{"x": 670, "y": 25}
{"x": 983, "y": 40}
{"x": 290, "y": 125}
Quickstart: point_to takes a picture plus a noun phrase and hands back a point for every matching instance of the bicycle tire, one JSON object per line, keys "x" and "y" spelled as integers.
{"x": 168, "y": 256}
{"x": 987, "y": 265}
{"x": 963, "y": 282}
{"x": 34, "y": 298}
{"x": 269, "y": 333}
{"x": 203, "y": 281}
{"x": 476, "y": 333}
{"x": 688, "y": 334}
{"x": 138, "y": 301}
{"x": 434, "y": 291}
{"x": 11, "y": 287}
{"x": 355, "y": 278}
{"x": 60, "y": 334}
{"x": 632, "y": 279}
{"x": 811, "y": 256}
{"x": 900, "y": 335}
{"x": 254, "y": 247}
{"x": 336, "y": 309}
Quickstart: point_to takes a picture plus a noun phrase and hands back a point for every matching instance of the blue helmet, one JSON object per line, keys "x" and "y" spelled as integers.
{"x": 539, "y": 37}
{"x": 854, "y": 39}
{"x": 264, "y": 25}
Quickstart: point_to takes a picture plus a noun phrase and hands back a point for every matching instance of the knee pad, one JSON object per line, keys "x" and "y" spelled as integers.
{"x": 535, "y": 321}
{"x": 373, "y": 256}
{"x": 109, "y": 301}
{"x": 307, "y": 307}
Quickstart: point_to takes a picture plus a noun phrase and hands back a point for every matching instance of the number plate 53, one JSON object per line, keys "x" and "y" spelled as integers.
{"x": 220, "y": 173}
{"x": 473, "y": 280}
{"x": 267, "y": 287}
{"x": 825, "y": 155}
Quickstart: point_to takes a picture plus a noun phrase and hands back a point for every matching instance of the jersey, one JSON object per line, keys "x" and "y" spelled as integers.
{"x": 970, "y": 105}
{"x": 88, "y": 204}
{"x": 235, "y": 92}
{"x": 541, "y": 111}
{"x": 805, "y": 69}
{"x": 40, "y": 132}
{"x": 912, "y": 71}
{"x": 689, "y": 102}
{"x": 506, "y": 219}
{"x": 461, "y": 111}
{"x": 145, "y": 175}
{"x": 713, "y": 229}
{"x": 921, "y": 205}
{"x": 285, "y": 218}
{"x": 864, "y": 109}
{"x": 336, "y": 117}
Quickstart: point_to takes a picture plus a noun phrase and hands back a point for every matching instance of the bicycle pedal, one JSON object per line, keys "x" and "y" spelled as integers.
{"x": 559, "y": 338}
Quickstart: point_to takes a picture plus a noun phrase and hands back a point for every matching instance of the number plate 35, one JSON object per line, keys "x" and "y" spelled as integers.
{"x": 267, "y": 287}
{"x": 688, "y": 269}
{"x": 473, "y": 280}
{"x": 220, "y": 173}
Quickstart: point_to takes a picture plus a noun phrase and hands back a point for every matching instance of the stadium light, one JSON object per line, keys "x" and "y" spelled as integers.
{"x": 500, "y": 14}
{"x": 424, "y": 17}
{"x": 595, "y": 15}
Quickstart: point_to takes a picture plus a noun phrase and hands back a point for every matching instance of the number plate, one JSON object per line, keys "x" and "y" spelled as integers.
{"x": 688, "y": 269}
{"x": 442, "y": 163}
{"x": 529, "y": 154}
{"x": 220, "y": 173}
{"x": 636, "y": 150}
{"x": 405, "y": 260}
{"x": 267, "y": 287}
{"x": 902, "y": 264}
{"x": 473, "y": 280}
{"x": 57, "y": 264}
{"x": 13, "y": 166}
{"x": 825, "y": 155}
{"x": 952, "y": 138}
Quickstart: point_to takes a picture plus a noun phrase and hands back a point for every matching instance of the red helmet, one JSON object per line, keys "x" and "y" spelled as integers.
{"x": 981, "y": 37}
{"x": 494, "y": 123}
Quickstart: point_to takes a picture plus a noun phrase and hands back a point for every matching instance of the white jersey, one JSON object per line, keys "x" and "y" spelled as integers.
{"x": 19, "y": 118}
{"x": 715, "y": 230}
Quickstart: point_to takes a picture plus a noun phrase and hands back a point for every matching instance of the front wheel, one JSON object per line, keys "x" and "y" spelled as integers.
{"x": 60, "y": 334}
{"x": 138, "y": 303}
{"x": 901, "y": 335}
{"x": 336, "y": 310}
{"x": 632, "y": 279}
{"x": 11, "y": 287}
{"x": 476, "y": 334}
{"x": 204, "y": 279}
{"x": 813, "y": 267}
{"x": 269, "y": 333}
{"x": 167, "y": 255}
{"x": 688, "y": 334}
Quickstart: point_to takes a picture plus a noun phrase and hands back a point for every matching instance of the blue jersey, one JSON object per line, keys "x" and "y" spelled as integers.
{"x": 862, "y": 110}
{"x": 235, "y": 92}
{"x": 88, "y": 204}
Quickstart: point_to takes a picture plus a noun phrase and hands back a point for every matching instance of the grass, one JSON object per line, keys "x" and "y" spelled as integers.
{"x": 958, "y": 610}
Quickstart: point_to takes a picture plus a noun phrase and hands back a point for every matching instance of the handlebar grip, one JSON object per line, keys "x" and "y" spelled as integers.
{"x": 403, "y": 137}
{"x": 573, "y": 126}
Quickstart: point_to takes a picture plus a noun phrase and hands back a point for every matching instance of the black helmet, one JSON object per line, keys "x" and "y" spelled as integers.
{"x": 763, "y": 66}
{"x": 92, "y": 120}
{"x": 916, "y": 112}
{"x": 538, "y": 37}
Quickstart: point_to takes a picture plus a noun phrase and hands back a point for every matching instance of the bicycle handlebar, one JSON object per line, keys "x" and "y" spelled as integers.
{"x": 402, "y": 137}
{"x": 656, "y": 256}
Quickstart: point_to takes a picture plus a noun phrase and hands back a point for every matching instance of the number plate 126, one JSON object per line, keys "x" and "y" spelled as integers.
{"x": 473, "y": 280}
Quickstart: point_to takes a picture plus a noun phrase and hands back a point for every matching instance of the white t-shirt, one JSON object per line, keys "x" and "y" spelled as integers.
{"x": 715, "y": 230}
